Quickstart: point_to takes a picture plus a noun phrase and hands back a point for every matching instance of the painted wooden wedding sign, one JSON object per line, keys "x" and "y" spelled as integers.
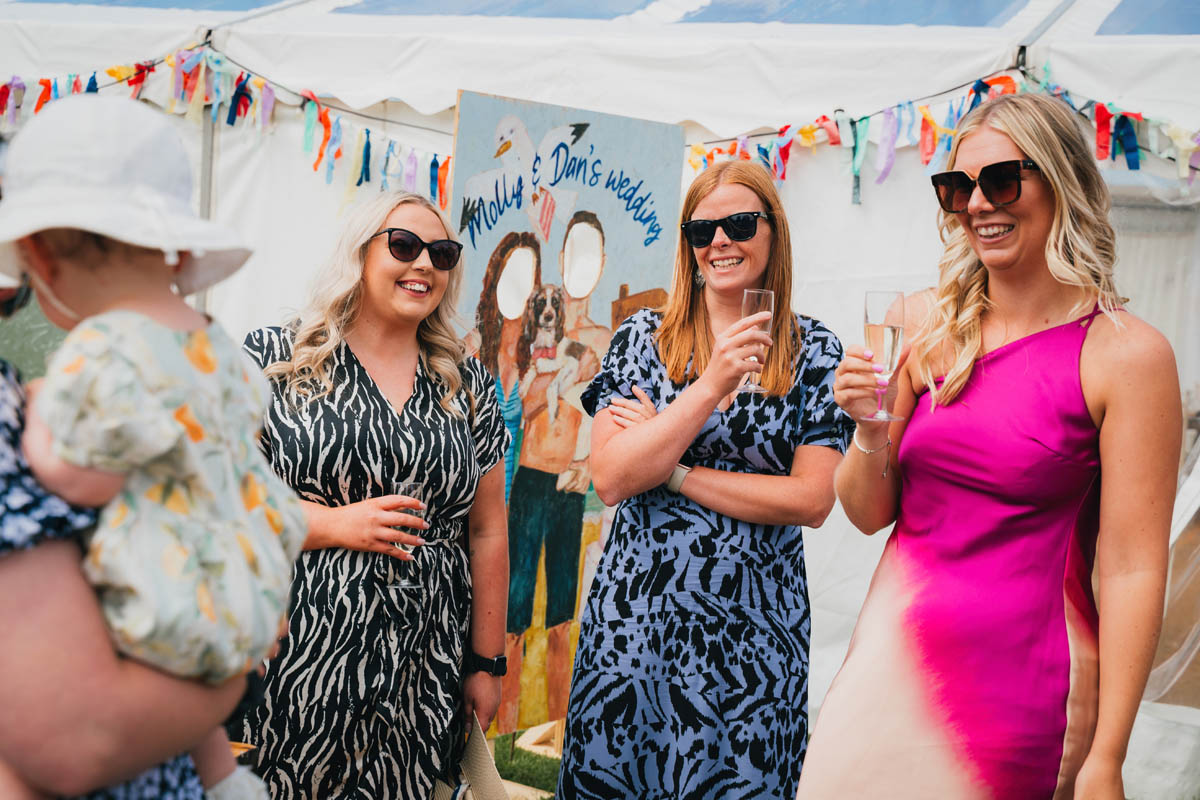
{"x": 569, "y": 220}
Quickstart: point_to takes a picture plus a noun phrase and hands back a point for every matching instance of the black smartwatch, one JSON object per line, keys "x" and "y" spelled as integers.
{"x": 492, "y": 666}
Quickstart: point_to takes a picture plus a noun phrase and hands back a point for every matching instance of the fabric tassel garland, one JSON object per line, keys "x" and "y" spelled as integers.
{"x": 137, "y": 81}
{"x": 196, "y": 103}
{"x": 44, "y": 97}
{"x": 909, "y": 112}
{"x": 364, "y": 174}
{"x": 4, "y": 90}
{"x": 928, "y": 136}
{"x": 326, "y": 132}
{"x": 76, "y": 86}
{"x": 354, "y": 174}
{"x": 16, "y": 97}
{"x": 1103, "y": 131}
{"x": 267, "y": 100}
{"x": 333, "y": 150}
{"x": 831, "y": 129}
{"x": 240, "y": 95}
{"x": 92, "y": 87}
{"x": 387, "y": 165}
{"x": 433, "y": 179}
{"x": 783, "y": 150}
{"x": 410, "y": 171}
{"x": 54, "y": 89}
{"x": 443, "y": 181}
{"x": 845, "y": 132}
{"x": 1185, "y": 145}
{"x": 764, "y": 158}
{"x": 885, "y": 157}
{"x": 310, "y": 123}
{"x": 808, "y": 136}
{"x": 979, "y": 93}
{"x": 1125, "y": 134}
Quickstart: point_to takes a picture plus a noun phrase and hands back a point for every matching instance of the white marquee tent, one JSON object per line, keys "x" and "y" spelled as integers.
{"x": 721, "y": 68}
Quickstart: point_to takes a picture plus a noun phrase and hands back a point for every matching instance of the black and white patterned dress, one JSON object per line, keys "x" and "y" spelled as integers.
{"x": 30, "y": 516}
{"x": 691, "y": 674}
{"x": 363, "y": 700}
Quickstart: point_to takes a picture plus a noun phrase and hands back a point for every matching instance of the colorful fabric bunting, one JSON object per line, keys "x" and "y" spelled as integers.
{"x": 16, "y": 97}
{"x": 333, "y": 149}
{"x": 1124, "y": 133}
{"x": 831, "y": 130}
{"x": 387, "y": 163}
{"x": 885, "y": 156}
{"x": 1103, "y": 131}
{"x": 443, "y": 178}
{"x": 364, "y": 173}
{"x": 1185, "y": 145}
{"x": 410, "y": 172}
{"x": 44, "y": 97}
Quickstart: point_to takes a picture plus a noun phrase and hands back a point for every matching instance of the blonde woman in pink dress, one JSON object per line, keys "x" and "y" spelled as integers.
{"x": 1041, "y": 441}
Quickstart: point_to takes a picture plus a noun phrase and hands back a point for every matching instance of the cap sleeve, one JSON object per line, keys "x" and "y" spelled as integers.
{"x": 822, "y": 422}
{"x": 488, "y": 431}
{"x": 628, "y": 362}
{"x": 101, "y": 405}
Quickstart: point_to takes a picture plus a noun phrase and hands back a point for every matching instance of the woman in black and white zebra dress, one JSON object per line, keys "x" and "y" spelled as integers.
{"x": 388, "y": 651}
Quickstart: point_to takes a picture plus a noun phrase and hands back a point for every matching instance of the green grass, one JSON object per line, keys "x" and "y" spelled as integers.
{"x": 521, "y": 766}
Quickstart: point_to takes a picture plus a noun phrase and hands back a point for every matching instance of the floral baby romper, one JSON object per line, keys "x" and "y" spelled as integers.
{"x": 192, "y": 560}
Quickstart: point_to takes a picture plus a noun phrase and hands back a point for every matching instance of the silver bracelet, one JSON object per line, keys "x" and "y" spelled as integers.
{"x": 887, "y": 446}
{"x": 675, "y": 482}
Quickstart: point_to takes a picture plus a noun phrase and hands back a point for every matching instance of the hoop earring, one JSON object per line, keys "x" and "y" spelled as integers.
{"x": 698, "y": 278}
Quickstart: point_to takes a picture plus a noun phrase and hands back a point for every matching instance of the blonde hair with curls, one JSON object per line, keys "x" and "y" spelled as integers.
{"x": 1080, "y": 248}
{"x": 685, "y": 332}
{"x": 336, "y": 297}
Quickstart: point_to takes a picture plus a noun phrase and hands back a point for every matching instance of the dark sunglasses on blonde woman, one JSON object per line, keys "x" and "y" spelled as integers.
{"x": 738, "y": 227}
{"x": 999, "y": 182}
{"x": 406, "y": 246}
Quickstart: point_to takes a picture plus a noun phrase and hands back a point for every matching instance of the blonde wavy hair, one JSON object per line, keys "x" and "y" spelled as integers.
{"x": 1080, "y": 248}
{"x": 335, "y": 298}
{"x": 685, "y": 331}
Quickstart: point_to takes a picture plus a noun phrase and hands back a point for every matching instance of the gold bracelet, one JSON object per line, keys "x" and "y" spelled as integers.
{"x": 887, "y": 446}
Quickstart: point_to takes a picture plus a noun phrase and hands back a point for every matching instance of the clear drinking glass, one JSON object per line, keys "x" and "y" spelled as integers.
{"x": 883, "y": 323}
{"x": 417, "y": 491}
{"x": 753, "y": 302}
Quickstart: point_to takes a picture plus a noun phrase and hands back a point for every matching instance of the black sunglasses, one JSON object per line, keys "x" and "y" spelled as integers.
{"x": 999, "y": 182}
{"x": 404, "y": 245}
{"x": 738, "y": 227}
{"x": 19, "y": 299}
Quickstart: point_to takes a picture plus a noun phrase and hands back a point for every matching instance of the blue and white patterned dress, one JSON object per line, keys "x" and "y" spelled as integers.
{"x": 29, "y": 516}
{"x": 691, "y": 674}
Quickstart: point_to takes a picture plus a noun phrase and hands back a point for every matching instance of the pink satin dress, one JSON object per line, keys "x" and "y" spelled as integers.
{"x": 972, "y": 673}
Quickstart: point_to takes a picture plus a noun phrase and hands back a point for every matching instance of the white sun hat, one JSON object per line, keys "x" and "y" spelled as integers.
{"x": 116, "y": 167}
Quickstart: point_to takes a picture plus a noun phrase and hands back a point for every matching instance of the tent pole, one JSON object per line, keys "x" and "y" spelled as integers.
{"x": 208, "y": 132}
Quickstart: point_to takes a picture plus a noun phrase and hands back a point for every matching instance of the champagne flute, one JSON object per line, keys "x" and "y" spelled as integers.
{"x": 755, "y": 301}
{"x": 883, "y": 321}
{"x": 415, "y": 490}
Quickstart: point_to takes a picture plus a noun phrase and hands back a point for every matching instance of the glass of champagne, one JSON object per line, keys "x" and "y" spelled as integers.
{"x": 883, "y": 320}
{"x": 417, "y": 491}
{"x": 753, "y": 302}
